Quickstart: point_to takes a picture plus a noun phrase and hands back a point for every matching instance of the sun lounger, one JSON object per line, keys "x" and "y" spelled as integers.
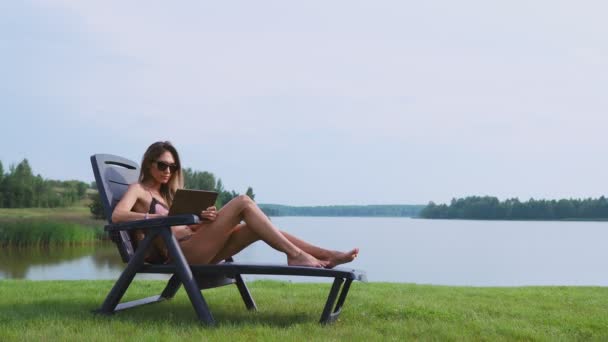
{"x": 113, "y": 175}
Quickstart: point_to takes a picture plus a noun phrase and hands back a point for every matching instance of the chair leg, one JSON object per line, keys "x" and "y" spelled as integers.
{"x": 342, "y": 297}
{"x": 185, "y": 275}
{"x": 169, "y": 292}
{"x": 243, "y": 290}
{"x": 172, "y": 287}
{"x": 245, "y": 294}
{"x": 126, "y": 277}
{"x": 331, "y": 313}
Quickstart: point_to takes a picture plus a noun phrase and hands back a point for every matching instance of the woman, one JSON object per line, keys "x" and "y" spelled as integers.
{"x": 221, "y": 234}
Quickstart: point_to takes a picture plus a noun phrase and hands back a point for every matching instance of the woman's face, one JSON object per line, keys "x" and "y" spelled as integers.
{"x": 163, "y": 168}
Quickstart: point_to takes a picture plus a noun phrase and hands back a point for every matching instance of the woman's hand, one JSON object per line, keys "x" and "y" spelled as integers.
{"x": 210, "y": 214}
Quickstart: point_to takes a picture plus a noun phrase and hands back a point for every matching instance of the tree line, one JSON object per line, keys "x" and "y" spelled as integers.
{"x": 343, "y": 210}
{"x": 20, "y": 188}
{"x": 490, "y": 208}
{"x": 203, "y": 180}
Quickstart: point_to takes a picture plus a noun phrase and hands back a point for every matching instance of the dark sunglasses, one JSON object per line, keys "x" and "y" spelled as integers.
{"x": 162, "y": 166}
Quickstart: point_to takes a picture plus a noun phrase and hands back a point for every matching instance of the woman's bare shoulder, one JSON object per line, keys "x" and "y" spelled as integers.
{"x": 129, "y": 200}
{"x": 137, "y": 189}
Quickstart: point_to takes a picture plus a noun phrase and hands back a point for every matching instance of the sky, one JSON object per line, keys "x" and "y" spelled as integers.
{"x": 316, "y": 102}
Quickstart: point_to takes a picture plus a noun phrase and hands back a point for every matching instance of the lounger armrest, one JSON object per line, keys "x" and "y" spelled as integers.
{"x": 177, "y": 220}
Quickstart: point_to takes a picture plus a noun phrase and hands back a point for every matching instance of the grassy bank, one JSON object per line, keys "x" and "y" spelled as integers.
{"x": 47, "y": 227}
{"x": 60, "y": 310}
{"x": 43, "y": 232}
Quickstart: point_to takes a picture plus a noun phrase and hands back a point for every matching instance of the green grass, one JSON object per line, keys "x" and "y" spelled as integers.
{"x": 30, "y": 232}
{"x": 61, "y": 310}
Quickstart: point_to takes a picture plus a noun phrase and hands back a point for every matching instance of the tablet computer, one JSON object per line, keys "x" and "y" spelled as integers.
{"x": 188, "y": 201}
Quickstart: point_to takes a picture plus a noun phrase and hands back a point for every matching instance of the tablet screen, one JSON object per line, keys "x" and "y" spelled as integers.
{"x": 188, "y": 201}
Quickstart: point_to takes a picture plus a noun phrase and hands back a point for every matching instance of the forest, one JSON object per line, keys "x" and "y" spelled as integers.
{"x": 490, "y": 208}
{"x": 19, "y": 188}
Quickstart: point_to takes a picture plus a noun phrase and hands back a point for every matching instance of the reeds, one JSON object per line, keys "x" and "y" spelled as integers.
{"x": 38, "y": 232}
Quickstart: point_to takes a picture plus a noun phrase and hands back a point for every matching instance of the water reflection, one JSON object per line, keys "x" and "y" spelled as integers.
{"x": 479, "y": 253}
{"x": 58, "y": 262}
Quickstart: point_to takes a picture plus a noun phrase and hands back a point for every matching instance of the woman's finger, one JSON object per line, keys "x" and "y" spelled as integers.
{"x": 209, "y": 215}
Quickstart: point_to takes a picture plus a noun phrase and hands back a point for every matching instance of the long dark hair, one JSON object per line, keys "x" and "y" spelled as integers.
{"x": 167, "y": 191}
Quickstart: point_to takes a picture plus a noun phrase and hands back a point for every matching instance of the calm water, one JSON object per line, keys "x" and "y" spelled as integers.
{"x": 481, "y": 253}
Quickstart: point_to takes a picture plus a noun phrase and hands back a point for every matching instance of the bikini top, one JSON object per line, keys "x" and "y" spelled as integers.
{"x": 156, "y": 207}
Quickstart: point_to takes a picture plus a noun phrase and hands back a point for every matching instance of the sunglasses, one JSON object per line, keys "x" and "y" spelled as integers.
{"x": 162, "y": 166}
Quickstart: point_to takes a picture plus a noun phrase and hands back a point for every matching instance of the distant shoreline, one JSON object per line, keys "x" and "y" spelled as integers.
{"x": 380, "y": 210}
{"x": 448, "y": 219}
{"x": 336, "y": 216}
{"x": 82, "y": 215}
{"x": 515, "y": 220}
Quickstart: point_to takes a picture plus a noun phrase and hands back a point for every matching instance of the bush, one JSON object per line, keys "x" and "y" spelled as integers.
{"x": 96, "y": 207}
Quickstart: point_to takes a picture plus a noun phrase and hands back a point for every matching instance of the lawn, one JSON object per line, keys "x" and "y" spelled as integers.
{"x": 61, "y": 310}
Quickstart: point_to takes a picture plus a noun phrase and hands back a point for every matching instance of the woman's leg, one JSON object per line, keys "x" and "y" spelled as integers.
{"x": 211, "y": 238}
{"x": 242, "y": 236}
{"x": 333, "y": 258}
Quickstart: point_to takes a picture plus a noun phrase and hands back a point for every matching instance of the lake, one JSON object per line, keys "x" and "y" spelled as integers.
{"x": 444, "y": 252}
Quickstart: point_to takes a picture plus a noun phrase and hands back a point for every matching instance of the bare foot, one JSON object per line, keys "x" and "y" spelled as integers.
{"x": 305, "y": 259}
{"x": 339, "y": 258}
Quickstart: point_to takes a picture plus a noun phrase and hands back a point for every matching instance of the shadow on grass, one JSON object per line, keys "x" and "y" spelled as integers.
{"x": 169, "y": 314}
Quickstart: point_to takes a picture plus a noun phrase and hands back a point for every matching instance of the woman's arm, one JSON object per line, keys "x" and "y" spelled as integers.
{"x": 122, "y": 211}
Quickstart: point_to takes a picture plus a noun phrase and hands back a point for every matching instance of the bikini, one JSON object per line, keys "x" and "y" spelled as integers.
{"x": 157, "y": 207}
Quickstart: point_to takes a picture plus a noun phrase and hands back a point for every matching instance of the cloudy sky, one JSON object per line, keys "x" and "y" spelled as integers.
{"x": 317, "y": 102}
